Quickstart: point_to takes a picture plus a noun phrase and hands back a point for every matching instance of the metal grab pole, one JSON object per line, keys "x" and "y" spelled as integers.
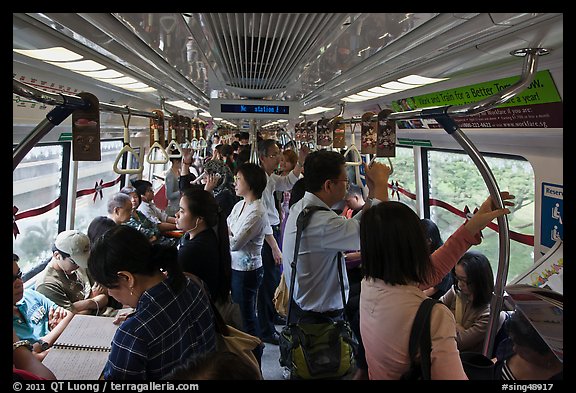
{"x": 503, "y": 229}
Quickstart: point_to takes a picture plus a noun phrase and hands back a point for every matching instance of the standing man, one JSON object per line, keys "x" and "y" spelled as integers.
{"x": 317, "y": 287}
{"x": 270, "y": 155}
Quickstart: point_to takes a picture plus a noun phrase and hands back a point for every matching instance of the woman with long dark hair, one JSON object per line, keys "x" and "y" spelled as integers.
{"x": 172, "y": 318}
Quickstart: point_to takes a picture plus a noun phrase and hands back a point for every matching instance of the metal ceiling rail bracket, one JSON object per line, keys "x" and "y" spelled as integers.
{"x": 65, "y": 104}
{"x": 444, "y": 116}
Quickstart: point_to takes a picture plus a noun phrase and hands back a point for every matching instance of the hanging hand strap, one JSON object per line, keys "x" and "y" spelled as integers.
{"x": 420, "y": 336}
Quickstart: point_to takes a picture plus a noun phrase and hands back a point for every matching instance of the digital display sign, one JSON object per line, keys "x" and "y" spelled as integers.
{"x": 254, "y": 109}
{"x": 248, "y": 108}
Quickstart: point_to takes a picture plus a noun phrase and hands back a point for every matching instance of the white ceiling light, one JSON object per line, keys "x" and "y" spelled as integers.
{"x": 82, "y": 65}
{"x": 382, "y": 91}
{"x": 104, "y": 74}
{"x": 318, "y": 109}
{"x": 183, "y": 105}
{"x": 205, "y": 114}
{"x": 50, "y": 54}
{"x": 369, "y": 94}
{"x": 420, "y": 80}
{"x": 125, "y": 80}
{"x": 394, "y": 85}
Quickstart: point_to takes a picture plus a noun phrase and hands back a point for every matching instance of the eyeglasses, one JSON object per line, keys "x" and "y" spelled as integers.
{"x": 346, "y": 180}
{"x": 17, "y": 276}
{"x": 461, "y": 280}
{"x": 273, "y": 155}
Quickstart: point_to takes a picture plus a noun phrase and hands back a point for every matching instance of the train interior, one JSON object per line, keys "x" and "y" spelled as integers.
{"x": 320, "y": 66}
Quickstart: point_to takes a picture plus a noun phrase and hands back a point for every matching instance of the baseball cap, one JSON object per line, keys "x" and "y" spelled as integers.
{"x": 76, "y": 244}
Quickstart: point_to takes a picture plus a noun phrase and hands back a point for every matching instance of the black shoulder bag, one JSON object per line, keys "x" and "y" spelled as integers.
{"x": 420, "y": 337}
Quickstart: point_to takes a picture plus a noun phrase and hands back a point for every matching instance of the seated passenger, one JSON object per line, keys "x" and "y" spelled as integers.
{"x": 119, "y": 208}
{"x": 150, "y": 210}
{"x": 35, "y": 317}
{"x": 141, "y": 222}
{"x": 65, "y": 281}
{"x": 531, "y": 359}
{"x": 469, "y": 300}
{"x": 98, "y": 226}
{"x": 173, "y": 318}
{"x": 25, "y": 366}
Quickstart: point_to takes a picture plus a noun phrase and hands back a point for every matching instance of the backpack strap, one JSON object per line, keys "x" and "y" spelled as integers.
{"x": 420, "y": 337}
{"x": 301, "y": 222}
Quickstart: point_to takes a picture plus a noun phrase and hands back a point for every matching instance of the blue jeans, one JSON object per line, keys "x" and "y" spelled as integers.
{"x": 245, "y": 286}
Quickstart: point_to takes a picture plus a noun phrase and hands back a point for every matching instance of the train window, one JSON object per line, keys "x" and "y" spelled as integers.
{"x": 455, "y": 180}
{"x": 99, "y": 176}
{"x": 402, "y": 179}
{"x": 36, "y": 199}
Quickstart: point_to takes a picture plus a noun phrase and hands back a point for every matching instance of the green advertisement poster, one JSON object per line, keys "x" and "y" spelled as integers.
{"x": 542, "y": 90}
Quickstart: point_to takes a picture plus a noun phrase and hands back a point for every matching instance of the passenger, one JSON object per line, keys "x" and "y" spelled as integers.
{"x": 269, "y": 155}
{"x": 317, "y": 288}
{"x": 214, "y": 366}
{"x": 188, "y": 171}
{"x": 397, "y": 266}
{"x": 25, "y": 366}
{"x": 119, "y": 208}
{"x": 150, "y": 210}
{"x": 65, "y": 279}
{"x": 434, "y": 242}
{"x": 98, "y": 226}
{"x": 354, "y": 201}
{"x": 35, "y": 317}
{"x": 469, "y": 300}
{"x": 172, "y": 189}
{"x": 140, "y": 221}
{"x": 204, "y": 250}
{"x": 288, "y": 162}
{"x": 531, "y": 358}
{"x": 220, "y": 182}
{"x": 173, "y": 319}
{"x": 247, "y": 225}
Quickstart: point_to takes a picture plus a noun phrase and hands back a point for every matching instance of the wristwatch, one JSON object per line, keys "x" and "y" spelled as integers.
{"x": 43, "y": 345}
{"x": 22, "y": 343}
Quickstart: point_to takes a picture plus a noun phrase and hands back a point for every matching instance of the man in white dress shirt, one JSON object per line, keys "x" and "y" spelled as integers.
{"x": 270, "y": 154}
{"x": 317, "y": 287}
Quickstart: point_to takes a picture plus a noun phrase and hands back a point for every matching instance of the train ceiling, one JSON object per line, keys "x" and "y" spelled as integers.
{"x": 315, "y": 59}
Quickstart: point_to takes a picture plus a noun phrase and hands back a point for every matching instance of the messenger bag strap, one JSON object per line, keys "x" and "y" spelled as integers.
{"x": 301, "y": 222}
{"x": 420, "y": 335}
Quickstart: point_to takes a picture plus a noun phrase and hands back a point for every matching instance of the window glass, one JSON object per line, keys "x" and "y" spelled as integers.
{"x": 403, "y": 175}
{"x": 91, "y": 174}
{"x": 36, "y": 185}
{"x": 454, "y": 179}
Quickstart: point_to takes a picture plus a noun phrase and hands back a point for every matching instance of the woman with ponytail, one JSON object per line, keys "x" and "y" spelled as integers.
{"x": 172, "y": 318}
{"x": 204, "y": 250}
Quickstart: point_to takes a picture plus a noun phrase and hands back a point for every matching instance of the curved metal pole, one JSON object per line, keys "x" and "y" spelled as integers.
{"x": 503, "y": 230}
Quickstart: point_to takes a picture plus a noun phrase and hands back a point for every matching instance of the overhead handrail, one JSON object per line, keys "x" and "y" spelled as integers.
{"x": 353, "y": 149}
{"x": 127, "y": 149}
{"x": 64, "y": 104}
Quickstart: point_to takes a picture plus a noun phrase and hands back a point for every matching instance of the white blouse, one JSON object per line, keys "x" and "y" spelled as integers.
{"x": 248, "y": 223}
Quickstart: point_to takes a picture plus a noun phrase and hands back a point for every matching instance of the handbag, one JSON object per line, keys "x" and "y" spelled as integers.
{"x": 228, "y": 338}
{"x": 324, "y": 348}
{"x": 281, "y": 297}
{"x": 477, "y": 366}
{"x": 420, "y": 339}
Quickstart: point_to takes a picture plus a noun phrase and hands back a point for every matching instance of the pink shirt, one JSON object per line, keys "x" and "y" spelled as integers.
{"x": 387, "y": 313}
